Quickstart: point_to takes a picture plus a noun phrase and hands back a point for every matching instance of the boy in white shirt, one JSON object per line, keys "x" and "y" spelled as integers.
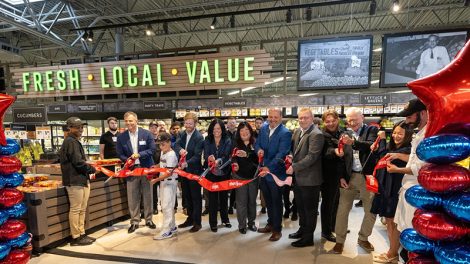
{"x": 168, "y": 184}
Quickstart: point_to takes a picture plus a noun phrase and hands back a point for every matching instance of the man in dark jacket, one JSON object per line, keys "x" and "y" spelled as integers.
{"x": 337, "y": 164}
{"x": 361, "y": 137}
{"x": 76, "y": 179}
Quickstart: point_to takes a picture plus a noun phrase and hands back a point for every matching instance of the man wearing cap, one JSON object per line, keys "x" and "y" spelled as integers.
{"x": 76, "y": 174}
{"x": 417, "y": 117}
{"x": 138, "y": 144}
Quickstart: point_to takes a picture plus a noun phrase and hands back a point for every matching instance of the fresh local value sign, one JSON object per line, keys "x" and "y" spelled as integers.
{"x": 208, "y": 71}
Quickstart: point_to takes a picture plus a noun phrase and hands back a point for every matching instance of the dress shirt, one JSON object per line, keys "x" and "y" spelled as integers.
{"x": 134, "y": 138}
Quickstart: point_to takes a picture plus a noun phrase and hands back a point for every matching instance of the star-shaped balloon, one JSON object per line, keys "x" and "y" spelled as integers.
{"x": 446, "y": 95}
{"x": 5, "y": 102}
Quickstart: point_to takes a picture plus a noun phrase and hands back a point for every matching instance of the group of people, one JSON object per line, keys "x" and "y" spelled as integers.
{"x": 330, "y": 162}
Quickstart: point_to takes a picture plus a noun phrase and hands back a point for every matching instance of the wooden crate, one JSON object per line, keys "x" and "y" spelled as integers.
{"x": 47, "y": 215}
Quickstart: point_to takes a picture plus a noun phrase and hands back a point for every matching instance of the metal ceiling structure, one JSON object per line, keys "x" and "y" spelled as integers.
{"x": 45, "y": 32}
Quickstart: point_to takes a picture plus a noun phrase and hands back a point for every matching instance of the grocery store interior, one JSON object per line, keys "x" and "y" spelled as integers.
{"x": 218, "y": 59}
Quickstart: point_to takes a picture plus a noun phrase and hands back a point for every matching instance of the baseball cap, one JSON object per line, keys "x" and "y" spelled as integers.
{"x": 153, "y": 123}
{"x": 413, "y": 106}
{"x": 163, "y": 137}
{"x": 75, "y": 121}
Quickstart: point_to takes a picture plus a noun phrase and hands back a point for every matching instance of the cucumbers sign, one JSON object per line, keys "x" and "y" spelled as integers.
{"x": 160, "y": 74}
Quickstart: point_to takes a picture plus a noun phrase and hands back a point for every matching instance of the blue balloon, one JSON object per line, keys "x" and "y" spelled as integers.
{"x": 452, "y": 254}
{"x": 3, "y": 217}
{"x": 412, "y": 241}
{"x": 2, "y": 182}
{"x": 459, "y": 206}
{"x": 12, "y": 147}
{"x": 4, "y": 250}
{"x": 16, "y": 210}
{"x": 19, "y": 241}
{"x": 12, "y": 180}
{"x": 444, "y": 149}
{"x": 421, "y": 198}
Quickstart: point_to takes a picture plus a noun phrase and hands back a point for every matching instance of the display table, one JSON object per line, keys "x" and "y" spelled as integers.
{"x": 47, "y": 215}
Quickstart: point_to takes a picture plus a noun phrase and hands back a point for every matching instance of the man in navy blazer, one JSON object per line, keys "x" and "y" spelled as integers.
{"x": 273, "y": 143}
{"x": 190, "y": 143}
{"x": 138, "y": 144}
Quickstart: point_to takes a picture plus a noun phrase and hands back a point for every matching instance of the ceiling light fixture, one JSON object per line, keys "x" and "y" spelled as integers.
{"x": 309, "y": 14}
{"x": 232, "y": 21}
{"x": 165, "y": 28}
{"x": 288, "y": 16}
{"x": 90, "y": 36}
{"x": 149, "y": 31}
{"x": 307, "y": 94}
{"x": 85, "y": 36}
{"x": 214, "y": 22}
{"x": 374, "y": 81}
{"x": 373, "y": 7}
{"x": 233, "y": 93}
{"x": 396, "y": 6}
{"x": 377, "y": 50}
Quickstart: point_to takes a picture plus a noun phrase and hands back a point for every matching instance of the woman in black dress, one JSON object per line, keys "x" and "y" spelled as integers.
{"x": 389, "y": 181}
{"x": 245, "y": 164}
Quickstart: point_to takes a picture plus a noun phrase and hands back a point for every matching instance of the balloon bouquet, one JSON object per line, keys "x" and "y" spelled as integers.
{"x": 441, "y": 224}
{"x": 14, "y": 239}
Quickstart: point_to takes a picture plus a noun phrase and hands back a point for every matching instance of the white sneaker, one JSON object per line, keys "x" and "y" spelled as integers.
{"x": 165, "y": 235}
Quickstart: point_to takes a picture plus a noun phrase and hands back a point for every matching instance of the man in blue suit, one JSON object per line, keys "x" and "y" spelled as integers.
{"x": 273, "y": 143}
{"x": 138, "y": 144}
{"x": 190, "y": 143}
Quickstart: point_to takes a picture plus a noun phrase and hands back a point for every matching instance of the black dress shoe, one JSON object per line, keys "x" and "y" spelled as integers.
{"x": 227, "y": 225}
{"x": 330, "y": 237}
{"x": 155, "y": 212}
{"x": 358, "y": 204}
{"x": 195, "y": 228}
{"x": 252, "y": 228}
{"x": 151, "y": 225}
{"x": 303, "y": 243}
{"x": 230, "y": 210}
{"x": 214, "y": 229}
{"x": 286, "y": 214}
{"x": 294, "y": 217}
{"x": 132, "y": 228}
{"x": 295, "y": 235}
{"x": 185, "y": 224}
{"x": 263, "y": 210}
{"x": 205, "y": 212}
{"x": 242, "y": 230}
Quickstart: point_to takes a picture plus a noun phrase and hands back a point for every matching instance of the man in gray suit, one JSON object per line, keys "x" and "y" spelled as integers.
{"x": 307, "y": 146}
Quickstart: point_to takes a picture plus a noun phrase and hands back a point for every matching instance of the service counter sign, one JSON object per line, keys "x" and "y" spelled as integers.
{"x": 197, "y": 72}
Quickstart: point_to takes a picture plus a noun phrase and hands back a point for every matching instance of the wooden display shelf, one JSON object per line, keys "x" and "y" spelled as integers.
{"x": 47, "y": 215}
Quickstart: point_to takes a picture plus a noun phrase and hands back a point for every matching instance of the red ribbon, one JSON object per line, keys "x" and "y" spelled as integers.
{"x": 340, "y": 144}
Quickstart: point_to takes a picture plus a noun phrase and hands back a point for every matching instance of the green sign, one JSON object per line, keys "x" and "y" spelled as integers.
{"x": 196, "y": 72}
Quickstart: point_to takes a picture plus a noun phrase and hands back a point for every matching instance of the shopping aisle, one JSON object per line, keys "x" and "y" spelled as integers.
{"x": 225, "y": 246}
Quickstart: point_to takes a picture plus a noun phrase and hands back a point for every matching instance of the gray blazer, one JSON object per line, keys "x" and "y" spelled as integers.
{"x": 307, "y": 157}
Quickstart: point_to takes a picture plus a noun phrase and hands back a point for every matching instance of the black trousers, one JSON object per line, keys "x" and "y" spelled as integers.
{"x": 193, "y": 198}
{"x": 285, "y": 197}
{"x": 307, "y": 198}
{"x": 218, "y": 200}
{"x": 329, "y": 205}
{"x": 155, "y": 195}
{"x": 232, "y": 198}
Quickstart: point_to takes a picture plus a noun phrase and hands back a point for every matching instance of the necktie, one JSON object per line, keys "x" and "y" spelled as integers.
{"x": 432, "y": 55}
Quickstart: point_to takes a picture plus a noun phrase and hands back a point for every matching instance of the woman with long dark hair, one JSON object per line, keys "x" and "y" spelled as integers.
{"x": 389, "y": 181}
{"x": 217, "y": 150}
{"x": 245, "y": 164}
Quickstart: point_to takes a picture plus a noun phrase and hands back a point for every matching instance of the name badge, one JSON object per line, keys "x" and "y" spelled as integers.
{"x": 142, "y": 143}
{"x": 114, "y": 139}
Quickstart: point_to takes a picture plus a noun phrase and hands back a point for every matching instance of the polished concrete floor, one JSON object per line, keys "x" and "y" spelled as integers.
{"x": 225, "y": 246}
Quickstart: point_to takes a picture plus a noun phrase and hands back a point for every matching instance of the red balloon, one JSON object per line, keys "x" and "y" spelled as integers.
{"x": 444, "y": 178}
{"x": 422, "y": 260}
{"x": 439, "y": 226}
{"x": 9, "y": 164}
{"x": 446, "y": 94}
{"x": 10, "y": 197}
{"x": 16, "y": 256}
{"x": 5, "y": 102}
{"x": 12, "y": 229}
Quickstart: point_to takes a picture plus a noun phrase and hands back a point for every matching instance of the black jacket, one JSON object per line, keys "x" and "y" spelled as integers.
{"x": 222, "y": 152}
{"x": 246, "y": 166}
{"x": 195, "y": 147}
{"x": 73, "y": 164}
{"x": 366, "y": 139}
{"x": 334, "y": 167}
